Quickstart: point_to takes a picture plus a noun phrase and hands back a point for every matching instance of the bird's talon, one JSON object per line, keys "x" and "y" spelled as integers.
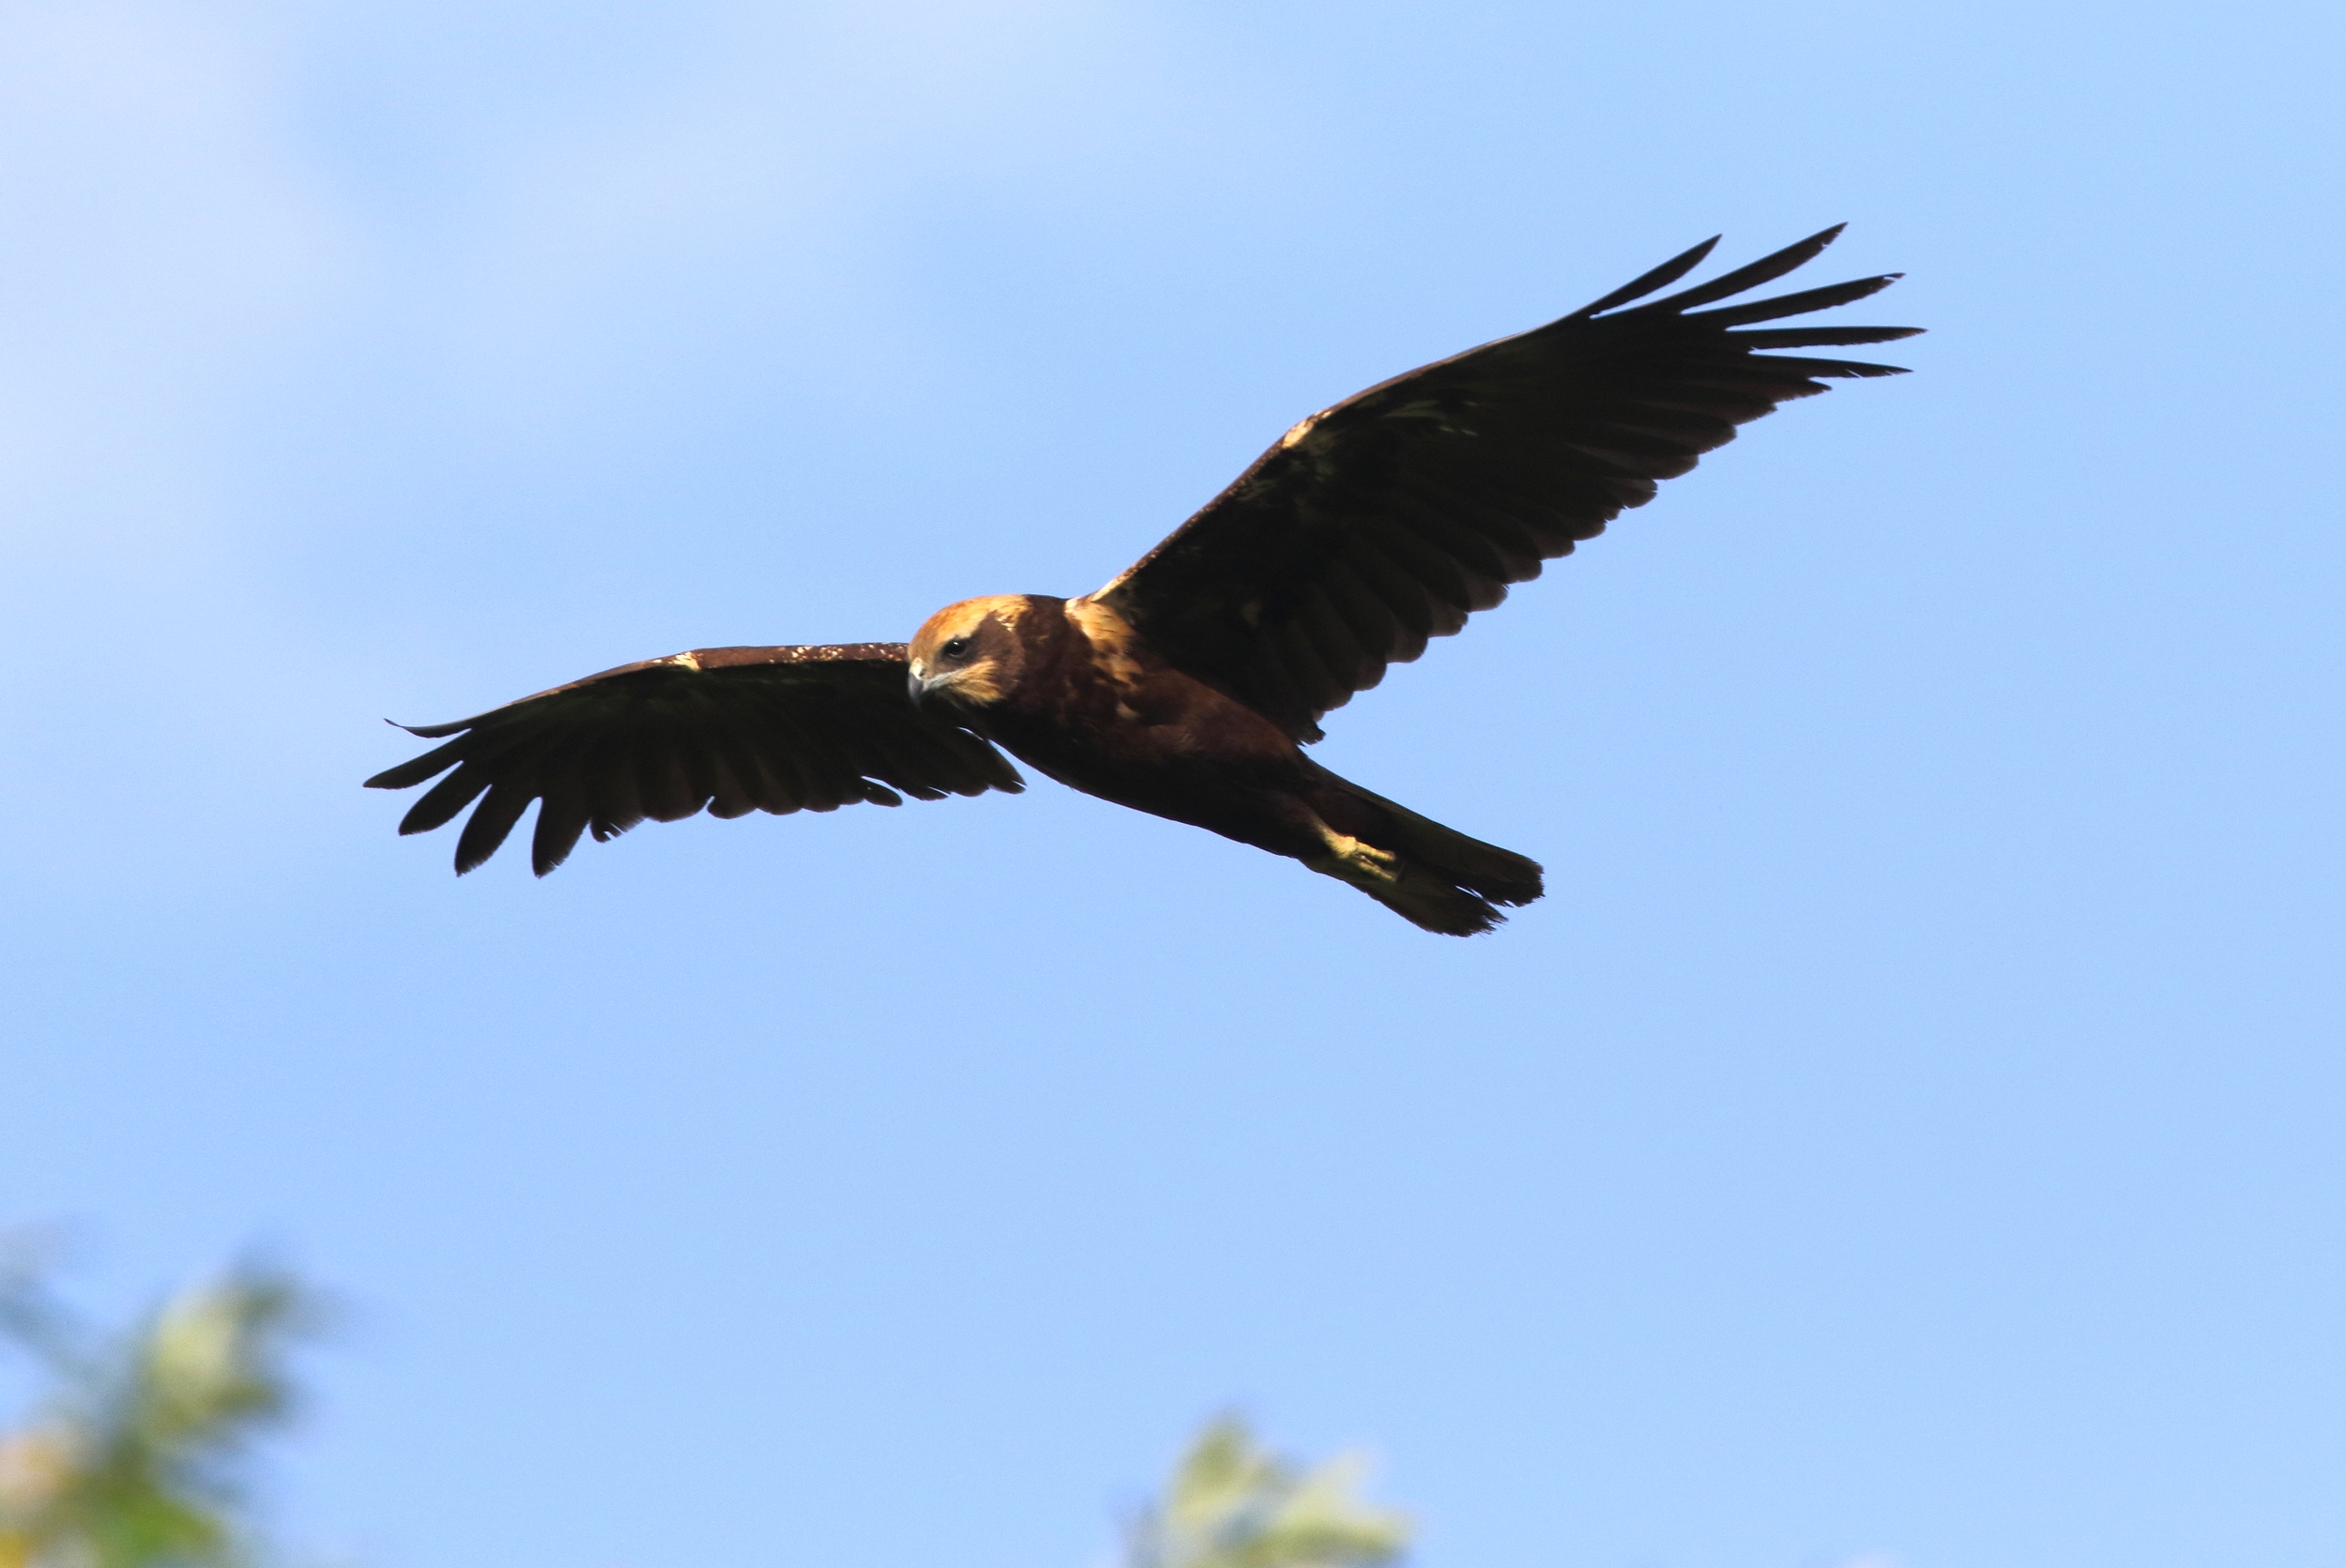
{"x": 1356, "y": 862}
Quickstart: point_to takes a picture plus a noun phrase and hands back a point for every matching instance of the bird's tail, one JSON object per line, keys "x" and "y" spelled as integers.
{"x": 1433, "y": 877}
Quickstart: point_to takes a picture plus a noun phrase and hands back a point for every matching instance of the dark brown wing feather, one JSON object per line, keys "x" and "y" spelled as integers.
{"x": 732, "y": 729}
{"x": 1389, "y": 518}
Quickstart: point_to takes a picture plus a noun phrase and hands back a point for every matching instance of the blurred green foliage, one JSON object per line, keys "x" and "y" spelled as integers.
{"x": 1230, "y": 1504}
{"x": 129, "y": 1458}
{"x": 132, "y": 1455}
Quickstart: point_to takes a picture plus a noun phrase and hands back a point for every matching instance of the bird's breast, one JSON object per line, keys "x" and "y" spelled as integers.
{"x": 1108, "y": 716}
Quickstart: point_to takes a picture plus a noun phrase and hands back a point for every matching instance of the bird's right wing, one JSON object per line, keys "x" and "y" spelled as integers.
{"x": 734, "y": 729}
{"x": 1389, "y": 518}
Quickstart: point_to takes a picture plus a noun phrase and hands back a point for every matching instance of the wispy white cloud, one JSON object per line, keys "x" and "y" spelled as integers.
{"x": 168, "y": 242}
{"x": 207, "y": 269}
{"x": 752, "y": 182}
{"x": 169, "y": 249}
{"x": 193, "y": 241}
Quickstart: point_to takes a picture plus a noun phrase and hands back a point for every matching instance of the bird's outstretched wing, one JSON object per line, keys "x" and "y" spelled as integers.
{"x": 734, "y": 729}
{"x": 1387, "y": 519}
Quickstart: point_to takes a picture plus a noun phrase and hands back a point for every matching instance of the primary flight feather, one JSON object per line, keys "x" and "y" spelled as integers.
{"x": 1188, "y": 686}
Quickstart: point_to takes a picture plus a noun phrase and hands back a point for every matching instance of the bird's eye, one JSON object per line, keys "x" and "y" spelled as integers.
{"x": 955, "y": 647}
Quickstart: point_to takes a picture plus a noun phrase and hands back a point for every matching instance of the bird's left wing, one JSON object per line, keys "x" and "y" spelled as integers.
{"x": 1389, "y": 518}
{"x": 734, "y": 729}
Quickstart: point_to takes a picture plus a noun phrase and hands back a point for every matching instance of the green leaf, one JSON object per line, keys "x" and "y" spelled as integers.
{"x": 1231, "y": 1503}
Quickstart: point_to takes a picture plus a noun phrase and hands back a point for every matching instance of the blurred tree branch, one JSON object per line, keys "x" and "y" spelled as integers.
{"x": 130, "y": 1457}
{"x": 1231, "y": 1503}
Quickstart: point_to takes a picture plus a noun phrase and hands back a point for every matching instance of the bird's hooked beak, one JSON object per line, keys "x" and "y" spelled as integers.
{"x": 917, "y": 685}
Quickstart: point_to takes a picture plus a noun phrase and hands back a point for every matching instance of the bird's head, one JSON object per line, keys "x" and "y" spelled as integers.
{"x": 970, "y": 654}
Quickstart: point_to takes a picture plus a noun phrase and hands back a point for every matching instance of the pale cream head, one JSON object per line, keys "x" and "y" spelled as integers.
{"x": 970, "y": 653}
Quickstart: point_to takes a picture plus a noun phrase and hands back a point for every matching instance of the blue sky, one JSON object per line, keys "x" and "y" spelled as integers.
{"x": 1910, "y": 1127}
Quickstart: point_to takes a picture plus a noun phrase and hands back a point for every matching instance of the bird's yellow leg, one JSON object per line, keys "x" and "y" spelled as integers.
{"x": 1348, "y": 859}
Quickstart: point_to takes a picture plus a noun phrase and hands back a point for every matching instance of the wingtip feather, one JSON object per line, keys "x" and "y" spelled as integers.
{"x": 1830, "y": 296}
{"x": 1751, "y": 274}
{"x": 1646, "y": 282}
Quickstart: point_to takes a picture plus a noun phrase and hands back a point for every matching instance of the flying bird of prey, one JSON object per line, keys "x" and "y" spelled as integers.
{"x": 1188, "y": 687}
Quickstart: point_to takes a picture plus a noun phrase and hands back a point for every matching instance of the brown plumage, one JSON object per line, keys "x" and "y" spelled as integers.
{"x": 1188, "y": 687}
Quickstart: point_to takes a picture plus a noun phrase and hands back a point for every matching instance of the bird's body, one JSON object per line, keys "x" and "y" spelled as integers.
{"x": 1188, "y": 687}
{"x": 1069, "y": 688}
{"x": 1077, "y": 696}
